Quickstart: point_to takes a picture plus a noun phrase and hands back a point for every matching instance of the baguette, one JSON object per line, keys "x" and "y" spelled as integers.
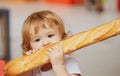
{"x": 28, "y": 62}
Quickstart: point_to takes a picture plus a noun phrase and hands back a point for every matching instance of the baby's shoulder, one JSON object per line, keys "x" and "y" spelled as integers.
{"x": 72, "y": 65}
{"x": 69, "y": 60}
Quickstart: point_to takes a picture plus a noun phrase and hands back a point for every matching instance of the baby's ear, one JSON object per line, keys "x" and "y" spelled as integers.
{"x": 64, "y": 36}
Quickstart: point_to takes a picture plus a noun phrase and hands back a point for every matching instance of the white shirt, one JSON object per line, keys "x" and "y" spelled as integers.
{"x": 72, "y": 66}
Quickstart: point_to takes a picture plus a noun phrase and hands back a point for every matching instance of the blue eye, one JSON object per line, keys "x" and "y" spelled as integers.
{"x": 36, "y": 40}
{"x": 51, "y": 35}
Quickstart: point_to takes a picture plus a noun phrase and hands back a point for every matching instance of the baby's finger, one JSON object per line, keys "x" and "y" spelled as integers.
{"x": 28, "y": 52}
{"x": 35, "y": 50}
{"x": 55, "y": 48}
{"x": 60, "y": 48}
{"x": 49, "y": 52}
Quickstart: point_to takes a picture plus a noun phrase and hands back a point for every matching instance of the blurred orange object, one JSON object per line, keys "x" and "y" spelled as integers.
{"x": 69, "y": 2}
{"x": 118, "y": 5}
{"x": 2, "y": 64}
{"x": 22, "y": 1}
{"x": 16, "y": 1}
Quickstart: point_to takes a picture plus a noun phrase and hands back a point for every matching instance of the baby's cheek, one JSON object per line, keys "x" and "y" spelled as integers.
{"x": 36, "y": 46}
{"x": 56, "y": 40}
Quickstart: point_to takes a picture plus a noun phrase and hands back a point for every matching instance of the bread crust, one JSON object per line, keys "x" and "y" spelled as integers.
{"x": 28, "y": 62}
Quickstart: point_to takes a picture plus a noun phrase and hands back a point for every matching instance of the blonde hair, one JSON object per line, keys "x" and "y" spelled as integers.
{"x": 38, "y": 20}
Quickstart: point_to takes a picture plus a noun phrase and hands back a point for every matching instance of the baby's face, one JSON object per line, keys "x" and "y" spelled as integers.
{"x": 45, "y": 37}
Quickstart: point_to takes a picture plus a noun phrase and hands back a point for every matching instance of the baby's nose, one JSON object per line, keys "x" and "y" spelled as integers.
{"x": 46, "y": 43}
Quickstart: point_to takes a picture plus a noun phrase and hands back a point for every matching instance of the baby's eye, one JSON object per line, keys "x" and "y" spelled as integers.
{"x": 51, "y": 35}
{"x": 36, "y": 40}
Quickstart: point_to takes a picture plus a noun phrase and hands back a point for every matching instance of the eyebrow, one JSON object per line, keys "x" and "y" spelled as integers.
{"x": 50, "y": 32}
{"x": 36, "y": 36}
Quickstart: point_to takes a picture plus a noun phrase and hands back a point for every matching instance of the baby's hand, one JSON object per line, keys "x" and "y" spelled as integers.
{"x": 31, "y": 52}
{"x": 56, "y": 55}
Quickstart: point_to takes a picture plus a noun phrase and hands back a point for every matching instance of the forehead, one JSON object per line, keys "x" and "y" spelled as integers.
{"x": 46, "y": 28}
{"x": 37, "y": 25}
{"x": 45, "y": 32}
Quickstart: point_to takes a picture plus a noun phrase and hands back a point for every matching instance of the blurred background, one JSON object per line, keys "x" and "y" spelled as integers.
{"x": 101, "y": 59}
